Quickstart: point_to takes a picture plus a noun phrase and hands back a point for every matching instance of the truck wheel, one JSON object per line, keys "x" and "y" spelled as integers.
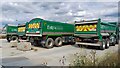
{"x": 8, "y": 39}
{"x": 14, "y": 38}
{"x": 102, "y": 45}
{"x": 107, "y": 43}
{"x": 58, "y": 41}
{"x": 49, "y": 43}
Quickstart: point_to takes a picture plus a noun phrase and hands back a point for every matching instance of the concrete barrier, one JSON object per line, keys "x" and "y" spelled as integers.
{"x": 13, "y": 43}
{"x": 24, "y": 46}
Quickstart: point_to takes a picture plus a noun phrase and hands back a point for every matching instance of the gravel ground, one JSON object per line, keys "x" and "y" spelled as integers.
{"x": 50, "y": 57}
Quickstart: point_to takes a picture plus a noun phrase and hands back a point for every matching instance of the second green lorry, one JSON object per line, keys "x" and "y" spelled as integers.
{"x": 96, "y": 33}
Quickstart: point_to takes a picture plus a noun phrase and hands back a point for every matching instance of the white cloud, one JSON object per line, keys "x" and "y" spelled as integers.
{"x": 80, "y": 13}
{"x": 58, "y": 11}
{"x": 70, "y": 13}
{"x": 64, "y": 0}
{"x": 8, "y": 19}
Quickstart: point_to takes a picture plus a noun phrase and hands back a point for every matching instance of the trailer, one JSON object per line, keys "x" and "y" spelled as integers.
{"x": 22, "y": 32}
{"x": 95, "y": 33}
{"x": 49, "y": 33}
{"x": 11, "y": 32}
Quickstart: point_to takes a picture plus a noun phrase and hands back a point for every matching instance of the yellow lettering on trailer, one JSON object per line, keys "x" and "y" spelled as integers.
{"x": 34, "y": 25}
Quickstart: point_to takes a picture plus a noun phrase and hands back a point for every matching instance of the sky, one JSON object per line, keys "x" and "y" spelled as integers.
{"x": 18, "y": 12}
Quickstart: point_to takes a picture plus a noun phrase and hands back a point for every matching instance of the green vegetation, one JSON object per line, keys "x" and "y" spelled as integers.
{"x": 109, "y": 59}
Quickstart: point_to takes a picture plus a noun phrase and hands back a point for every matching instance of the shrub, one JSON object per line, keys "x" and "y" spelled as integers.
{"x": 109, "y": 59}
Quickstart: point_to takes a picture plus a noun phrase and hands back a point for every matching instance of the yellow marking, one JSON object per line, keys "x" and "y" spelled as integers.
{"x": 21, "y": 29}
{"x": 86, "y": 27}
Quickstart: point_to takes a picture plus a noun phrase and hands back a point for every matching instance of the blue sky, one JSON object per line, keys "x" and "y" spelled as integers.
{"x": 16, "y": 11}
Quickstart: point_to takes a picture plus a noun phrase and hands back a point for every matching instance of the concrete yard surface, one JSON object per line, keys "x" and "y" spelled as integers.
{"x": 57, "y": 56}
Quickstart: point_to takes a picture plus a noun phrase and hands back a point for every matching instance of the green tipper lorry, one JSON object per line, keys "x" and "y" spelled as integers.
{"x": 95, "y": 33}
{"x": 11, "y": 32}
{"x": 15, "y": 32}
{"x": 49, "y": 33}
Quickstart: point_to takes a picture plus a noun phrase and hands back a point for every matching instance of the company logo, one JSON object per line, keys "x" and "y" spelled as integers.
{"x": 34, "y": 25}
{"x": 54, "y": 27}
{"x": 86, "y": 27}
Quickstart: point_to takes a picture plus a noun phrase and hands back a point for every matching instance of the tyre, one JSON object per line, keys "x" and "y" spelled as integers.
{"x": 49, "y": 43}
{"x": 14, "y": 38}
{"x": 102, "y": 45}
{"x": 8, "y": 39}
{"x": 58, "y": 41}
{"x": 107, "y": 43}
